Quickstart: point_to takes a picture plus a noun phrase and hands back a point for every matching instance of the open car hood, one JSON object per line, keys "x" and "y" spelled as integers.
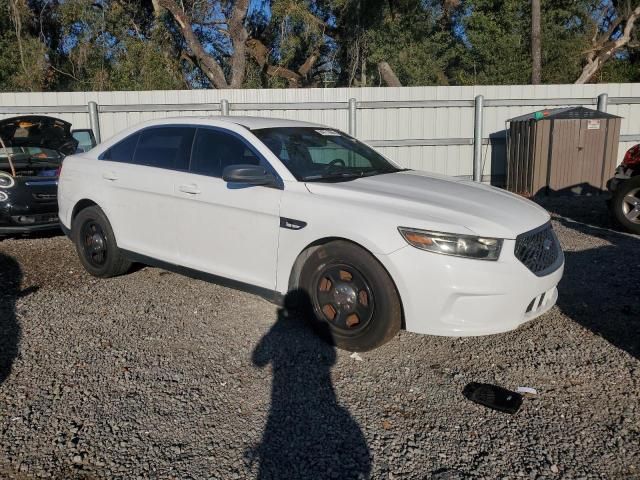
{"x": 38, "y": 131}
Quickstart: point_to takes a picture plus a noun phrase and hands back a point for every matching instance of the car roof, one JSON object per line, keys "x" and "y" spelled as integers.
{"x": 251, "y": 123}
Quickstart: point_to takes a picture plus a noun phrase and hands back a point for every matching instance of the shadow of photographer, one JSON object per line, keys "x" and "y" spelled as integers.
{"x": 308, "y": 434}
{"x": 10, "y": 279}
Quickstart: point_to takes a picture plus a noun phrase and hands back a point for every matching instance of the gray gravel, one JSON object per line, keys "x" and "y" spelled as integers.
{"x": 157, "y": 375}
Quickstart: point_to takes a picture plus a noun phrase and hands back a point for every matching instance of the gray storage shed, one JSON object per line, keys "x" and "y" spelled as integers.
{"x": 565, "y": 150}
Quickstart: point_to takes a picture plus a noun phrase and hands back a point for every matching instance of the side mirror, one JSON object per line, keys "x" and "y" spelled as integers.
{"x": 248, "y": 174}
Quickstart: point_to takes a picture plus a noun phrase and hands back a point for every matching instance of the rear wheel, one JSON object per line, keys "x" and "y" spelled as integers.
{"x": 351, "y": 296}
{"x": 626, "y": 204}
{"x": 96, "y": 245}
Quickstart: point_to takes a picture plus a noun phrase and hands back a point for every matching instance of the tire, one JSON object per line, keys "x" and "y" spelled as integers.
{"x": 96, "y": 244}
{"x": 340, "y": 280}
{"x": 623, "y": 206}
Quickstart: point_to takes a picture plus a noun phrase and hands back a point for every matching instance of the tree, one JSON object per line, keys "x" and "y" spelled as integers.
{"x": 498, "y": 38}
{"x": 169, "y": 44}
{"x": 616, "y": 31}
{"x": 536, "y": 49}
{"x": 395, "y": 41}
{"x": 217, "y": 40}
{"x": 22, "y": 61}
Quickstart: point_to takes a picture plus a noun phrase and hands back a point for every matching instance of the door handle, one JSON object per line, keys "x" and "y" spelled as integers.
{"x": 190, "y": 188}
{"x": 111, "y": 176}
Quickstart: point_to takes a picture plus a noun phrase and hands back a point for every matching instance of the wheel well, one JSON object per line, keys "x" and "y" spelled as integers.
{"x": 296, "y": 270}
{"x": 81, "y": 205}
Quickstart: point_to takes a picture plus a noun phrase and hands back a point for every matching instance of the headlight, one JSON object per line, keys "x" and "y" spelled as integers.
{"x": 453, "y": 244}
{"x": 3, "y": 196}
{"x": 6, "y": 181}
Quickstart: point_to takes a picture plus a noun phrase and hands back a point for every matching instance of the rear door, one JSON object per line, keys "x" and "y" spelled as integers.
{"x": 140, "y": 173}
{"x": 227, "y": 229}
{"x": 85, "y": 138}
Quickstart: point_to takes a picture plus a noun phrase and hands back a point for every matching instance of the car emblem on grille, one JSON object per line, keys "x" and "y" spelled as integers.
{"x": 546, "y": 244}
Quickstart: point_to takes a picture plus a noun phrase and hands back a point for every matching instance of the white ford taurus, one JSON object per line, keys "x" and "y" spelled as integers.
{"x": 286, "y": 208}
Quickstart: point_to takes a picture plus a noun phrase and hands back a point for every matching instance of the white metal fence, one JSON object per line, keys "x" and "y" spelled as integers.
{"x": 426, "y": 128}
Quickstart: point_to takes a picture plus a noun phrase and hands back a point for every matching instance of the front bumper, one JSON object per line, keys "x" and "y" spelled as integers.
{"x": 621, "y": 175}
{"x": 452, "y": 296}
{"x": 13, "y": 230}
{"x": 31, "y": 205}
{"x": 26, "y": 221}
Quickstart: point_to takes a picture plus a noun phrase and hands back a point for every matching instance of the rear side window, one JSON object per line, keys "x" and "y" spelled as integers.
{"x": 214, "y": 150}
{"x": 123, "y": 150}
{"x": 165, "y": 147}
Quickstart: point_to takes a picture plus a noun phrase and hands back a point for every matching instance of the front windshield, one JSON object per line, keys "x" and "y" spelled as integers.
{"x": 322, "y": 154}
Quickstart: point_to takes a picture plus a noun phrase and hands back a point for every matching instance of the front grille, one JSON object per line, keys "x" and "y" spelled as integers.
{"x": 539, "y": 250}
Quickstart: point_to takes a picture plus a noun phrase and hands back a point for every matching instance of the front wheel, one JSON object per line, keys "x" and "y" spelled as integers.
{"x": 626, "y": 204}
{"x": 96, "y": 245}
{"x": 352, "y": 296}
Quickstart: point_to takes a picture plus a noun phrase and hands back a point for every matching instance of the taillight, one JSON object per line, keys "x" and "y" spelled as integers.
{"x": 632, "y": 157}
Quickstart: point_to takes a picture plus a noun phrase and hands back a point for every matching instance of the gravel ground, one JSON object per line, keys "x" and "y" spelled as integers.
{"x": 157, "y": 375}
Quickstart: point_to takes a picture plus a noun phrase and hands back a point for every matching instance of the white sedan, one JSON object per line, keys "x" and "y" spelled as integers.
{"x": 309, "y": 216}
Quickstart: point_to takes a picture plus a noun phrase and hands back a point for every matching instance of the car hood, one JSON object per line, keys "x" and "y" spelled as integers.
{"x": 38, "y": 131}
{"x": 427, "y": 199}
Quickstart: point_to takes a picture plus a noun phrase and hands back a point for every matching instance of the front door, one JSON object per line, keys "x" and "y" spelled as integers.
{"x": 227, "y": 229}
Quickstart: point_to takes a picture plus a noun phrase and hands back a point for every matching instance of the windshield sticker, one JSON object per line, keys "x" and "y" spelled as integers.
{"x": 328, "y": 133}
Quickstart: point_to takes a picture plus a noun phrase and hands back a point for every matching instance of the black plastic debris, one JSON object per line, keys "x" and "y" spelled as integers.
{"x": 493, "y": 396}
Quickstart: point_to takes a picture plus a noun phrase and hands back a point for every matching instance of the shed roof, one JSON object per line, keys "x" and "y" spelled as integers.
{"x": 566, "y": 113}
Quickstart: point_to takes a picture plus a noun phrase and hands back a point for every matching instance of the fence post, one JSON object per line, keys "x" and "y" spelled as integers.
{"x": 352, "y": 117}
{"x": 477, "y": 138}
{"x": 224, "y": 106}
{"x": 94, "y": 121}
{"x": 603, "y": 102}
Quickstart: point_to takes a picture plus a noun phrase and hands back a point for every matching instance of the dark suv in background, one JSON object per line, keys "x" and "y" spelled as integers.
{"x": 625, "y": 190}
{"x": 32, "y": 148}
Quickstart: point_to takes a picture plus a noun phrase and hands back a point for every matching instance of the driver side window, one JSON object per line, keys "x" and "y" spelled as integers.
{"x": 214, "y": 150}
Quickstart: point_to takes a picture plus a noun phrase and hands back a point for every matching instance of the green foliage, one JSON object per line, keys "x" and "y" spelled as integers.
{"x": 498, "y": 40}
{"x": 140, "y": 65}
{"x": 497, "y": 32}
{"x": 23, "y": 65}
{"x": 122, "y": 45}
{"x": 415, "y": 46}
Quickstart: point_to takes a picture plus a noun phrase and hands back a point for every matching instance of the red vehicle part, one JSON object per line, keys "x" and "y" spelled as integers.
{"x": 632, "y": 157}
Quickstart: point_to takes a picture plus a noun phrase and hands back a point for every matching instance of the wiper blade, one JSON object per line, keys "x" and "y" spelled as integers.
{"x": 349, "y": 175}
{"x": 332, "y": 176}
{"x": 380, "y": 171}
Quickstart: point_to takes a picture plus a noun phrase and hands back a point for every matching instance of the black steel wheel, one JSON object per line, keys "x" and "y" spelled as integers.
{"x": 352, "y": 299}
{"x": 343, "y": 297}
{"x": 96, "y": 245}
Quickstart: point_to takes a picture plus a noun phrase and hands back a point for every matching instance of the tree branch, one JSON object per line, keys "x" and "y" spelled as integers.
{"x": 388, "y": 75}
{"x": 205, "y": 62}
{"x": 239, "y": 35}
{"x": 308, "y": 64}
{"x": 260, "y": 53}
{"x": 606, "y": 47}
{"x": 17, "y": 19}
